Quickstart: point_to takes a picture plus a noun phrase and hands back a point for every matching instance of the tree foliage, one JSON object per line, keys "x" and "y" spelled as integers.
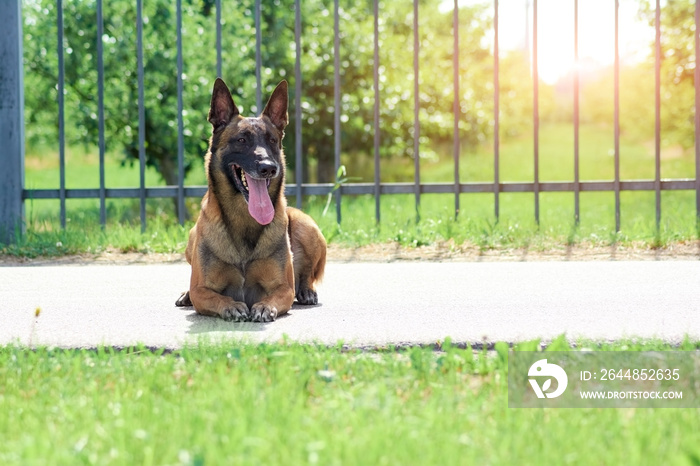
{"x": 475, "y": 106}
{"x": 677, "y": 68}
{"x": 637, "y": 82}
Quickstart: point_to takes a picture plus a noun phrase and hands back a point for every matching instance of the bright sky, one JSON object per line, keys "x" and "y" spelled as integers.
{"x": 596, "y": 19}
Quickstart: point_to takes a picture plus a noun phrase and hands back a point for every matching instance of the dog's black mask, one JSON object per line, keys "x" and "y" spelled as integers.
{"x": 252, "y": 156}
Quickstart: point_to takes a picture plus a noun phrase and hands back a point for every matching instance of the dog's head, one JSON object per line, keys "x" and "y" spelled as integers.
{"x": 249, "y": 150}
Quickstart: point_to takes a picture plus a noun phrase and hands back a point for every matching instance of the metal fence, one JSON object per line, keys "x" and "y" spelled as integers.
{"x": 12, "y": 143}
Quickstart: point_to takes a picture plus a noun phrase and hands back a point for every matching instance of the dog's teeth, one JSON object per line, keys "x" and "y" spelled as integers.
{"x": 243, "y": 179}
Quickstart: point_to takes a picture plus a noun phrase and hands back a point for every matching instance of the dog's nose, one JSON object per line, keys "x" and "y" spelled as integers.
{"x": 267, "y": 169}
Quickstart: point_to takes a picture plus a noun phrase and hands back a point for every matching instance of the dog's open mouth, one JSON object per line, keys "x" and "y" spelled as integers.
{"x": 255, "y": 193}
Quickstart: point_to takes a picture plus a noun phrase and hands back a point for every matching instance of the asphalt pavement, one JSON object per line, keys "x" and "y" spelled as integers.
{"x": 363, "y": 304}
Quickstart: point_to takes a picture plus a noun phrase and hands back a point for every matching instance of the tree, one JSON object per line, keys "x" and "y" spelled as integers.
{"x": 120, "y": 79}
{"x": 677, "y": 68}
{"x": 278, "y": 56}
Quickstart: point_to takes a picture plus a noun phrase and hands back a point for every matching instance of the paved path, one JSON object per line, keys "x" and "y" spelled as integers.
{"x": 363, "y": 304}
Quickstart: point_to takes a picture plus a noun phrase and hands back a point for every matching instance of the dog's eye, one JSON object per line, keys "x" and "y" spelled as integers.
{"x": 273, "y": 140}
{"x": 241, "y": 140}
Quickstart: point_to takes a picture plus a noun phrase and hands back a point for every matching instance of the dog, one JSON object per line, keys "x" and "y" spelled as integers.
{"x": 251, "y": 255}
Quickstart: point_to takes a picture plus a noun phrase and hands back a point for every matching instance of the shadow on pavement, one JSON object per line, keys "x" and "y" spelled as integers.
{"x": 205, "y": 324}
{"x": 297, "y": 306}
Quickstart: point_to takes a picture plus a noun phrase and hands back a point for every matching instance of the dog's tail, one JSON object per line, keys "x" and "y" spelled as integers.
{"x": 320, "y": 266}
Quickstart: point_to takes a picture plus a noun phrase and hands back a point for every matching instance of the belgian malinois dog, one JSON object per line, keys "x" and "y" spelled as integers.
{"x": 250, "y": 253}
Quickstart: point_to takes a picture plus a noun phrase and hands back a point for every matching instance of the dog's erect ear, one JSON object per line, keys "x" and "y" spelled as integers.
{"x": 276, "y": 108}
{"x": 222, "y": 108}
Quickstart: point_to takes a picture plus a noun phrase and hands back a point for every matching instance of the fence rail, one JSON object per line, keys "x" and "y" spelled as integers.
{"x": 13, "y": 154}
{"x": 317, "y": 189}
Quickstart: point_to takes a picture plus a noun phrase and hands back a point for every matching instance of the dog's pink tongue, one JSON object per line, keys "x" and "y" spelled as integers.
{"x": 259, "y": 203}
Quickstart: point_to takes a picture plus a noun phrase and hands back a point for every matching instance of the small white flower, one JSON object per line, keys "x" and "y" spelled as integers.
{"x": 326, "y": 375}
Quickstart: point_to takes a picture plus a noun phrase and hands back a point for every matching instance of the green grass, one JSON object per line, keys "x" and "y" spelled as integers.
{"x": 82, "y": 170}
{"x": 303, "y": 404}
{"x": 517, "y": 228}
{"x": 475, "y": 224}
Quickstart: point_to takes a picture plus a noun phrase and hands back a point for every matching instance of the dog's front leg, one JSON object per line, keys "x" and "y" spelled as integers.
{"x": 205, "y": 294}
{"x": 276, "y": 304}
{"x": 276, "y": 284}
{"x": 210, "y": 303}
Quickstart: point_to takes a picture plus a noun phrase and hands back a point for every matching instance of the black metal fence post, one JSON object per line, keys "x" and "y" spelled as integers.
{"x": 298, "y": 170}
{"x": 11, "y": 121}
{"x": 258, "y": 56}
{"x": 142, "y": 113}
{"x": 657, "y": 116}
{"x": 337, "y": 106}
{"x": 101, "y": 112}
{"x": 377, "y": 165}
{"x": 536, "y": 113}
{"x": 496, "y": 117}
{"x": 697, "y": 115}
{"x": 61, "y": 115}
{"x": 616, "y": 99}
{"x": 455, "y": 103}
{"x": 416, "y": 107}
{"x": 577, "y": 178}
{"x": 219, "y": 40}
{"x": 180, "y": 122}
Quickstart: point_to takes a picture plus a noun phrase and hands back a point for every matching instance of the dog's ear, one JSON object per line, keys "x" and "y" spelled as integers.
{"x": 222, "y": 110}
{"x": 276, "y": 108}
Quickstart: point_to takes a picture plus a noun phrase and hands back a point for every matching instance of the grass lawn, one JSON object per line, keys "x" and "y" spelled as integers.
{"x": 302, "y": 404}
{"x": 475, "y": 225}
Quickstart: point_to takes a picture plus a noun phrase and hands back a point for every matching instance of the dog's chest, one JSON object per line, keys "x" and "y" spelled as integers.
{"x": 228, "y": 248}
{"x": 239, "y": 248}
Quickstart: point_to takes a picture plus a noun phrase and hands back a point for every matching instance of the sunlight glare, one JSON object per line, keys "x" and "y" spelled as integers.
{"x": 555, "y": 35}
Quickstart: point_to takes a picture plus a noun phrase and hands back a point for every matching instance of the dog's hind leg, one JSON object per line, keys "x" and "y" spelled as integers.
{"x": 309, "y": 255}
{"x": 184, "y": 300}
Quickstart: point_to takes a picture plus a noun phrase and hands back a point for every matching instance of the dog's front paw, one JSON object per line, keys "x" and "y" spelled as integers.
{"x": 263, "y": 313}
{"x": 238, "y": 312}
{"x": 307, "y": 297}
